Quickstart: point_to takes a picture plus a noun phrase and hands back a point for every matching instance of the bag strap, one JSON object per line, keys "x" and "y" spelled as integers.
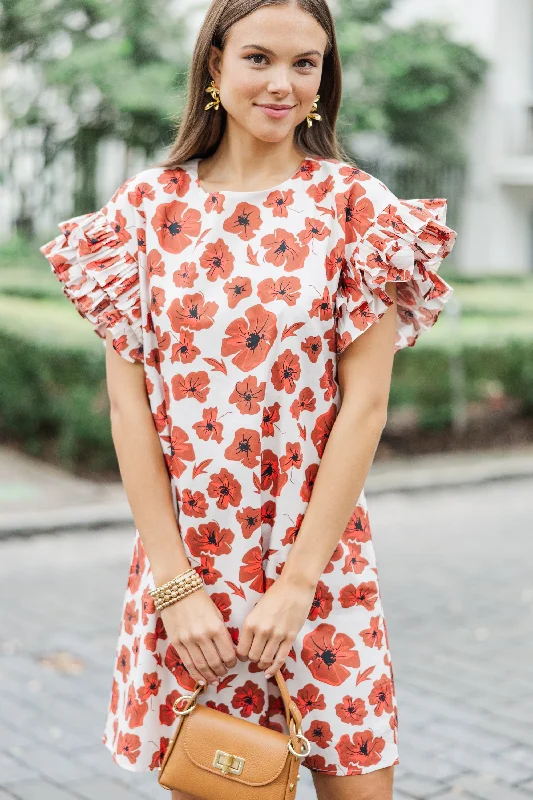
{"x": 293, "y": 716}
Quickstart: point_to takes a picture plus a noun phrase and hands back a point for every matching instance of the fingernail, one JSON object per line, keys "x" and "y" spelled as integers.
{"x": 202, "y": 683}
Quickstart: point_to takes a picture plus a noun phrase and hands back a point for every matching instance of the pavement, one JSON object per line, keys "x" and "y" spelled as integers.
{"x": 454, "y": 550}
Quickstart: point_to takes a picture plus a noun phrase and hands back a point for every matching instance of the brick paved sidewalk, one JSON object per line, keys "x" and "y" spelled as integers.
{"x": 457, "y": 586}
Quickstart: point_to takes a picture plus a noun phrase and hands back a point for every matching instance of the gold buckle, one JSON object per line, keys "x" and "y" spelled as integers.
{"x": 226, "y": 762}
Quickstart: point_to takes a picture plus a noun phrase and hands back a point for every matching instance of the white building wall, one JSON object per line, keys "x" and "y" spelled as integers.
{"x": 496, "y": 217}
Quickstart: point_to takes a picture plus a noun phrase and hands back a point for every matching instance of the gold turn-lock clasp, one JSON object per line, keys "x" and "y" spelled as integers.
{"x": 228, "y": 763}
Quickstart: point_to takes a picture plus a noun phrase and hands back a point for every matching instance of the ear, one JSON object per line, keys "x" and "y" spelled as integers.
{"x": 213, "y": 62}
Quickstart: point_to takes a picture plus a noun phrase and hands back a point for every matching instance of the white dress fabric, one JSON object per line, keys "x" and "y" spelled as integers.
{"x": 238, "y": 305}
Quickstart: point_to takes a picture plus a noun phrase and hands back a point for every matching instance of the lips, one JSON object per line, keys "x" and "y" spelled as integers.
{"x": 276, "y": 108}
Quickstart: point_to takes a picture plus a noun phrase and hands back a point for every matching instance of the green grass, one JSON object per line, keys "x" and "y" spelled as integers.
{"x": 48, "y": 321}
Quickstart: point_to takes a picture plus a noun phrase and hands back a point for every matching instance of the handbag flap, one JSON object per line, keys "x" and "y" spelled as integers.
{"x": 263, "y": 750}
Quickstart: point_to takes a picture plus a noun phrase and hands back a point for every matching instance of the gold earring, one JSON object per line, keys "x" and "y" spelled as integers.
{"x": 215, "y": 94}
{"x": 311, "y": 116}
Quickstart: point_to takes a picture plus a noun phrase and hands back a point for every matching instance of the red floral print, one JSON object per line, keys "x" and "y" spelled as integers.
{"x": 239, "y": 306}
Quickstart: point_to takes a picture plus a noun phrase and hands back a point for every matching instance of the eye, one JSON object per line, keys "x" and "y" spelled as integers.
{"x": 304, "y": 60}
{"x": 254, "y": 55}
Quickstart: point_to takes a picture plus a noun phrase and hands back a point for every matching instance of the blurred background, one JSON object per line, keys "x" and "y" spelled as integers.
{"x": 437, "y": 102}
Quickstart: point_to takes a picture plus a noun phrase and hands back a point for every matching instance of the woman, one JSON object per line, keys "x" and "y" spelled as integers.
{"x": 233, "y": 285}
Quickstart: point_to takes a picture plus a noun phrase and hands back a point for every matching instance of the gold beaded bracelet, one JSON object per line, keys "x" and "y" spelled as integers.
{"x": 175, "y": 589}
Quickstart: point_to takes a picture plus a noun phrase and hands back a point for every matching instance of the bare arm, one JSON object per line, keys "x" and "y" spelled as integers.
{"x": 194, "y": 624}
{"x": 364, "y": 374}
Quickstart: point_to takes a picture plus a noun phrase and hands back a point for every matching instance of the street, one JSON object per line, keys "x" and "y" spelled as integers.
{"x": 457, "y": 585}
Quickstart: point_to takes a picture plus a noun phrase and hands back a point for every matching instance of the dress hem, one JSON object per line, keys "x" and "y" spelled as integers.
{"x": 134, "y": 768}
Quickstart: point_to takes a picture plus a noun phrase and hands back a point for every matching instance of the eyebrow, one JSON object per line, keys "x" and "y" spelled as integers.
{"x": 271, "y": 52}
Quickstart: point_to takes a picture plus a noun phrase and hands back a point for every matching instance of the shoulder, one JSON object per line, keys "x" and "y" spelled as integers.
{"x": 152, "y": 184}
{"x": 357, "y": 185}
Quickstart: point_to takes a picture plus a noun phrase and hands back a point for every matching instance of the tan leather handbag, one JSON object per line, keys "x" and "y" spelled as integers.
{"x": 218, "y": 756}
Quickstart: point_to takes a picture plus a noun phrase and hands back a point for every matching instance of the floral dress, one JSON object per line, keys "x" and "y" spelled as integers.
{"x": 238, "y": 305}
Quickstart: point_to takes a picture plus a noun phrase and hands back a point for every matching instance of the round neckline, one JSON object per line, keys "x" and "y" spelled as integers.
{"x": 193, "y": 163}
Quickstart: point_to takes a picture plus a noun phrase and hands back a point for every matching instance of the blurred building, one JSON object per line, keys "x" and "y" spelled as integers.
{"x": 496, "y": 216}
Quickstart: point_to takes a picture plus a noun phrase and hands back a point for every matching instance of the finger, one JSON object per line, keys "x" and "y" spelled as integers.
{"x": 188, "y": 663}
{"x": 283, "y": 652}
{"x": 226, "y": 649}
{"x": 269, "y": 653}
{"x": 201, "y": 664}
{"x": 212, "y": 657}
{"x": 258, "y": 645}
{"x": 245, "y": 641}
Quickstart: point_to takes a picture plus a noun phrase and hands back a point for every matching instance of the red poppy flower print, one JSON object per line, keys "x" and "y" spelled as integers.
{"x": 322, "y": 602}
{"x": 251, "y": 570}
{"x": 245, "y": 447}
{"x": 209, "y": 538}
{"x": 194, "y": 384}
{"x": 175, "y": 181}
{"x": 249, "y": 698}
{"x": 372, "y": 636}
{"x": 329, "y": 655}
{"x": 381, "y": 696}
{"x": 192, "y": 312}
{"x": 250, "y": 339}
{"x": 279, "y": 202}
{"x": 180, "y": 450}
{"x": 129, "y": 745}
{"x": 352, "y": 710}
{"x": 124, "y": 662}
{"x": 358, "y": 528}
{"x": 319, "y": 732}
{"x": 249, "y": 519}
{"x": 150, "y": 687}
{"x": 306, "y": 401}
{"x": 245, "y": 221}
{"x": 226, "y": 488}
{"x": 136, "y": 568}
{"x": 167, "y": 714}
{"x": 208, "y": 571}
{"x": 237, "y": 290}
{"x": 362, "y": 749}
{"x": 131, "y": 616}
{"x": 364, "y": 594}
{"x": 286, "y": 371}
{"x": 248, "y": 394}
{"x": 174, "y": 663}
{"x": 286, "y": 288}
{"x": 217, "y": 260}
{"x": 309, "y": 699}
{"x": 159, "y": 754}
{"x": 151, "y": 639}
{"x": 209, "y": 427}
{"x": 134, "y": 711}
{"x": 354, "y": 561}
{"x": 193, "y": 504}
{"x": 322, "y": 429}
{"x": 140, "y": 192}
{"x": 282, "y": 249}
{"x": 238, "y": 312}
{"x": 355, "y": 212}
{"x": 176, "y": 225}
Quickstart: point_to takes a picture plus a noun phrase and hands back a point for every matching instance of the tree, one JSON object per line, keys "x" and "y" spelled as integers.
{"x": 413, "y": 85}
{"x": 94, "y": 69}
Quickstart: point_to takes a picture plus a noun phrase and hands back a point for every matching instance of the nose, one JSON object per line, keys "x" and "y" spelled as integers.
{"x": 279, "y": 82}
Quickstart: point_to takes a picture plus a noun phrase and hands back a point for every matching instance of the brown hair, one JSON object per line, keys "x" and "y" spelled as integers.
{"x": 198, "y": 135}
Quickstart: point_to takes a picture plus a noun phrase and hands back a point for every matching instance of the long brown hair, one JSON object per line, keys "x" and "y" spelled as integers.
{"x": 199, "y": 132}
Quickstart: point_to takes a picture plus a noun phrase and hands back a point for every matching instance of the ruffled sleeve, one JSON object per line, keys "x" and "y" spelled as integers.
{"x": 95, "y": 257}
{"x": 406, "y": 242}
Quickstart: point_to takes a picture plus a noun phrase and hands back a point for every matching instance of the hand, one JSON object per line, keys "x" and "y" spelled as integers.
{"x": 196, "y": 628}
{"x": 269, "y": 630}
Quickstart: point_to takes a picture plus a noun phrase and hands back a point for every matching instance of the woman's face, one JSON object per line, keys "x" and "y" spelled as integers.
{"x": 273, "y": 56}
